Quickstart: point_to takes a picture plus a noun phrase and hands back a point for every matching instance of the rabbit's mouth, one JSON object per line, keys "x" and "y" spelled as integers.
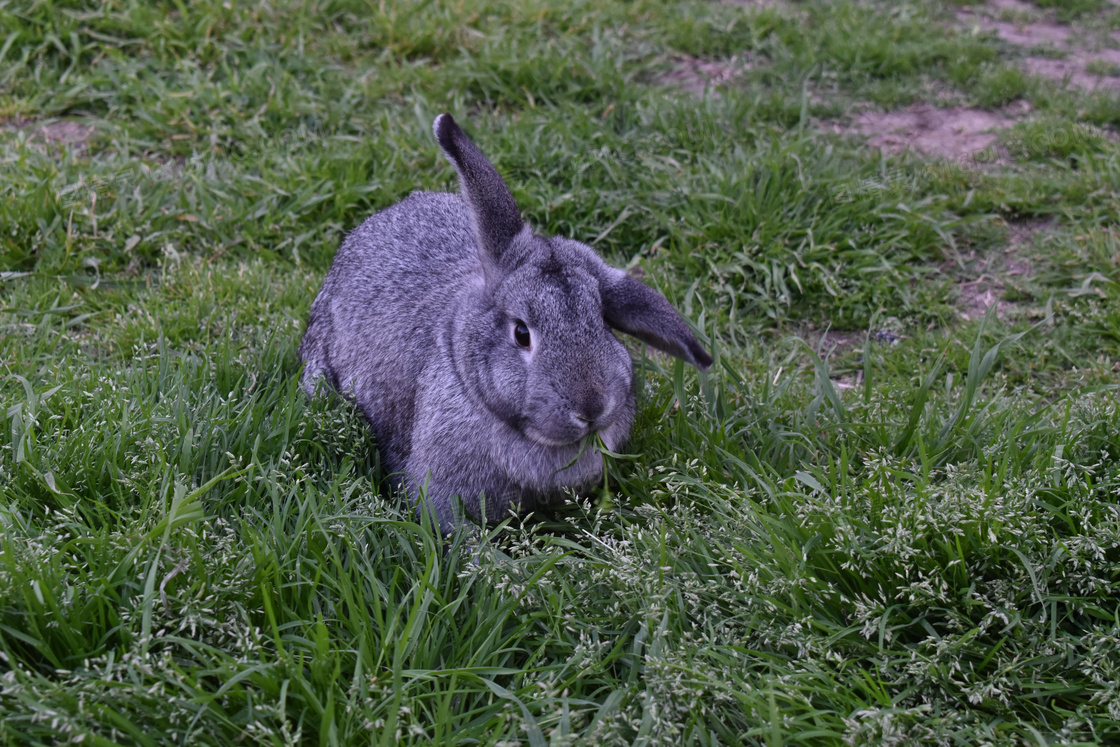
{"x": 555, "y": 440}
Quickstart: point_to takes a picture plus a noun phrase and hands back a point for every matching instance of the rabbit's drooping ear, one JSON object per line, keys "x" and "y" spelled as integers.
{"x": 633, "y": 307}
{"x": 494, "y": 214}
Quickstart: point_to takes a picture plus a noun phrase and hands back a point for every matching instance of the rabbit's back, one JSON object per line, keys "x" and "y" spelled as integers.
{"x": 420, "y": 244}
{"x": 375, "y": 324}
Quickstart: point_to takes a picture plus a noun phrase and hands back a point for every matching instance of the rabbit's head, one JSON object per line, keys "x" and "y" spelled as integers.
{"x": 533, "y": 338}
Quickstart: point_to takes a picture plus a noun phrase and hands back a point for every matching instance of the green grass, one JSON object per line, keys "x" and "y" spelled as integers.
{"x": 911, "y": 539}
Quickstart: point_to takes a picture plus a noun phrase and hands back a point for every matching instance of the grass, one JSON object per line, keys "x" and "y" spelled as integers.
{"x": 911, "y": 539}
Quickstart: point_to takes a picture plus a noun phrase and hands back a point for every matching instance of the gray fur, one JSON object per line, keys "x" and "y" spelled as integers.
{"x": 415, "y": 323}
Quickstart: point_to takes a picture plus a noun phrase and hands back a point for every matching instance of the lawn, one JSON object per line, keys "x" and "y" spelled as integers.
{"x": 889, "y": 514}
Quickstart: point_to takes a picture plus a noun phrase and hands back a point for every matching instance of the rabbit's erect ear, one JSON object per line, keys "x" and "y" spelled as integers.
{"x": 633, "y": 307}
{"x": 495, "y": 215}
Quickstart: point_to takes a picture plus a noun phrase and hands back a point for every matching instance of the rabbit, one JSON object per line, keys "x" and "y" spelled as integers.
{"x": 481, "y": 353}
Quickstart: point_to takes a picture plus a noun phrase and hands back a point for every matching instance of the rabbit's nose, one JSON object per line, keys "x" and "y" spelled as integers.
{"x": 591, "y": 411}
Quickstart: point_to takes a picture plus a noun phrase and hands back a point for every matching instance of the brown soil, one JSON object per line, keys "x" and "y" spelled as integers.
{"x": 696, "y": 75}
{"x": 995, "y": 270}
{"x": 1053, "y": 50}
{"x": 833, "y": 341}
{"x": 830, "y": 343}
{"x": 1067, "y": 53}
{"x": 954, "y": 133}
{"x": 56, "y": 132}
{"x": 1073, "y": 69}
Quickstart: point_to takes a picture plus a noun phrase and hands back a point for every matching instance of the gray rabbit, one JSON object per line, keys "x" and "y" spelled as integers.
{"x": 482, "y": 354}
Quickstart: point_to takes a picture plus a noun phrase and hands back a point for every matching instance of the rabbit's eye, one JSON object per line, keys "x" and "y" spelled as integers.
{"x": 521, "y": 334}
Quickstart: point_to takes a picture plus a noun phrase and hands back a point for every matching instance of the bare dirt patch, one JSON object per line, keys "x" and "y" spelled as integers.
{"x": 994, "y": 272}
{"x": 1075, "y": 69}
{"x": 58, "y": 132}
{"x": 1055, "y": 50}
{"x": 833, "y": 344}
{"x": 697, "y": 75}
{"x": 1013, "y": 6}
{"x": 1038, "y": 34}
{"x": 975, "y": 297}
{"x": 830, "y": 343}
{"x": 953, "y": 133}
